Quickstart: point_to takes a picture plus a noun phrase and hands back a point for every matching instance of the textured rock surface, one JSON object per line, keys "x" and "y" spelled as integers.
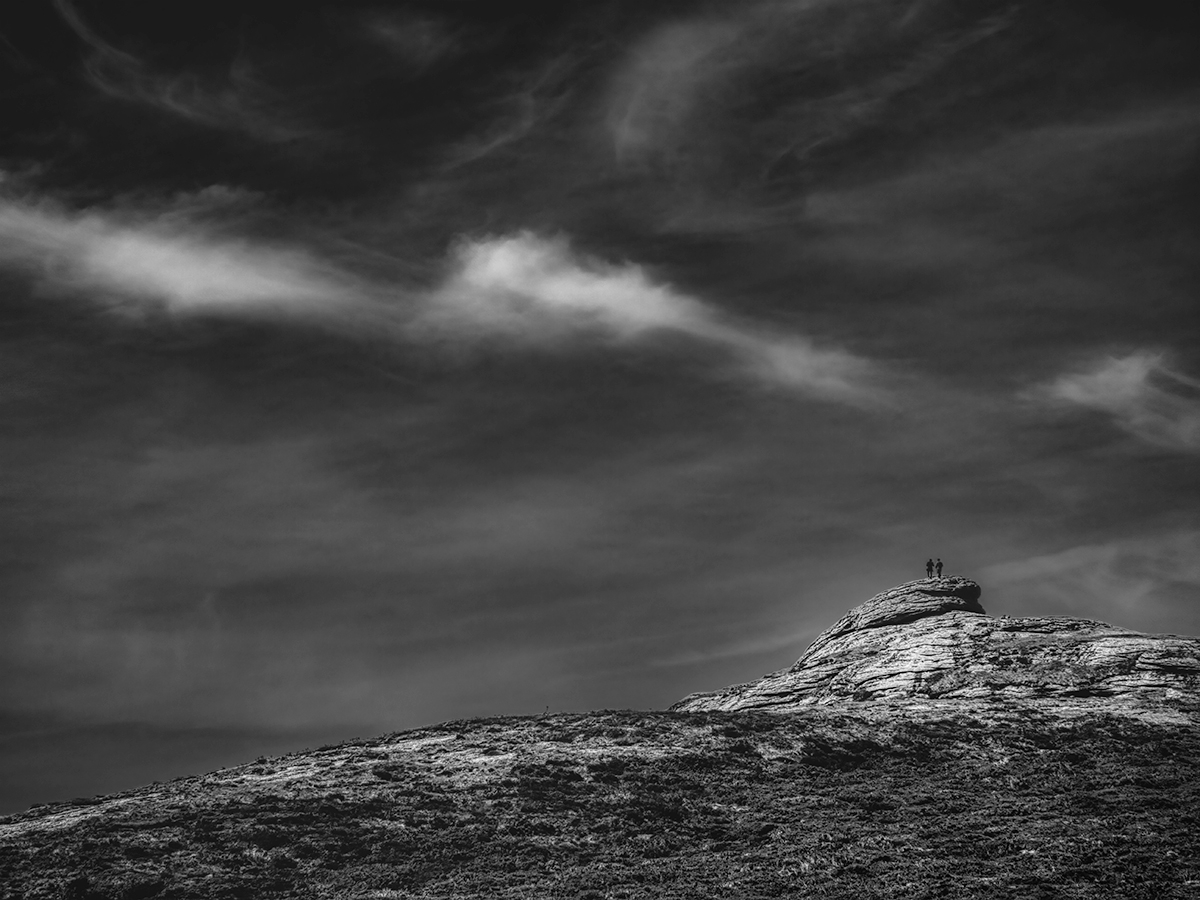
{"x": 931, "y": 640}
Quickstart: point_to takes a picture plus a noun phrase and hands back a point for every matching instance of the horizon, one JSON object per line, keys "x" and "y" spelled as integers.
{"x": 372, "y": 365}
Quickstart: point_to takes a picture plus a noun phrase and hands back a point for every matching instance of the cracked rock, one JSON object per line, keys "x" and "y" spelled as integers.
{"x": 931, "y": 640}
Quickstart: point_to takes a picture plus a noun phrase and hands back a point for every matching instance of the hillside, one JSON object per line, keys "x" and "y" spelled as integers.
{"x": 970, "y": 795}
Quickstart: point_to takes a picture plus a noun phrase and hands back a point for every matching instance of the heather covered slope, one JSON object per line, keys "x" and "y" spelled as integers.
{"x": 920, "y": 749}
{"x": 932, "y": 639}
{"x": 870, "y": 800}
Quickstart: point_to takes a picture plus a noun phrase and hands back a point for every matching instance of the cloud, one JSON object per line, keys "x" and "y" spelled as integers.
{"x": 1141, "y": 395}
{"x": 200, "y": 569}
{"x": 536, "y": 290}
{"x": 523, "y": 289}
{"x": 1153, "y": 579}
{"x": 419, "y": 41}
{"x": 168, "y": 262}
{"x": 662, "y": 83}
{"x": 516, "y": 114}
{"x": 823, "y": 72}
{"x": 242, "y": 103}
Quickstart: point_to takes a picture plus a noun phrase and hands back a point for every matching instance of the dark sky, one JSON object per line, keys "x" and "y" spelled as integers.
{"x": 367, "y": 365}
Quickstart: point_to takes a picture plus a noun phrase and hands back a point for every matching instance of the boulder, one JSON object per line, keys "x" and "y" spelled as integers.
{"x": 931, "y": 640}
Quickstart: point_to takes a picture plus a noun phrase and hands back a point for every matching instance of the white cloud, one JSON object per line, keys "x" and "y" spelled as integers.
{"x": 1138, "y": 578}
{"x": 1141, "y": 395}
{"x": 522, "y": 289}
{"x": 536, "y": 290}
{"x": 167, "y": 262}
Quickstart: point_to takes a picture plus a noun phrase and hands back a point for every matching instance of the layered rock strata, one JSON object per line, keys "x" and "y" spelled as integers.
{"x": 931, "y": 639}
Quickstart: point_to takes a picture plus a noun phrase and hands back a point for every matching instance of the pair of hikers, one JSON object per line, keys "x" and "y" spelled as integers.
{"x": 930, "y": 566}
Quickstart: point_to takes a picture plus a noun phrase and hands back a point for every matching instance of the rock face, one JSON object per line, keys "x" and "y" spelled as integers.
{"x": 932, "y": 640}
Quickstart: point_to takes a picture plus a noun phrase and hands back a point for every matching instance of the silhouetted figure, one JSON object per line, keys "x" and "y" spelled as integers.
{"x": 939, "y": 568}
{"x": 929, "y": 568}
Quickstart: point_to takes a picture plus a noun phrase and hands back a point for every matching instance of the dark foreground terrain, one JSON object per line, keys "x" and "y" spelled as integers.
{"x": 940, "y": 801}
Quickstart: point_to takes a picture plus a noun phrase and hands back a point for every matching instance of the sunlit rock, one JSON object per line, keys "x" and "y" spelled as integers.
{"x": 931, "y": 639}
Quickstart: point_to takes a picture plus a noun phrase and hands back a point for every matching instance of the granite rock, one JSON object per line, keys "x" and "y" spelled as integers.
{"x": 932, "y": 641}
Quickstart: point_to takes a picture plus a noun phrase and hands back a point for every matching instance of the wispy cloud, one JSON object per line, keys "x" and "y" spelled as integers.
{"x": 416, "y": 40}
{"x": 204, "y": 555}
{"x": 168, "y": 262}
{"x": 523, "y": 290}
{"x": 532, "y": 289}
{"x": 1126, "y": 579}
{"x": 827, "y": 70}
{"x": 533, "y": 100}
{"x": 241, "y": 103}
{"x": 662, "y": 83}
{"x": 1142, "y": 396}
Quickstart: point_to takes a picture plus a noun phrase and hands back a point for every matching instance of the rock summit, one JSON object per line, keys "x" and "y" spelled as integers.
{"x": 931, "y": 640}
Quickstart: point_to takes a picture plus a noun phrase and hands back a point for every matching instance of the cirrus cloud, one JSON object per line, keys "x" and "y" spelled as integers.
{"x": 523, "y": 290}
{"x": 1123, "y": 579}
{"x": 168, "y": 262}
{"x": 1141, "y": 395}
{"x": 239, "y": 103}
{"x": 662, "y": 83}
{"x": 537, "y": 290}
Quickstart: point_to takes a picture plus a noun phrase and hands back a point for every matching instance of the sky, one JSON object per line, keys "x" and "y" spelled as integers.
{"x": 368, "y": 365}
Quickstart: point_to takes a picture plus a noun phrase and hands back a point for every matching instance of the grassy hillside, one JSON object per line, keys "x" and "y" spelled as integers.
{"x": 849, "y": 803}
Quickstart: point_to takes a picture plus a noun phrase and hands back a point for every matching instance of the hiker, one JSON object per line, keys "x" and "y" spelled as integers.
{"x": 929, "y": 567}
{"x": 939, "y": 568}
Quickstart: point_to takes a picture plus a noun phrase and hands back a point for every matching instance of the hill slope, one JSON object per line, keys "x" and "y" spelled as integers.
{"x": 917, "y": 796}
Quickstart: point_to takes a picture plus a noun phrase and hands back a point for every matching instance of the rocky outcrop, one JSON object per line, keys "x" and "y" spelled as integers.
{"x": 931, "y": 640}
